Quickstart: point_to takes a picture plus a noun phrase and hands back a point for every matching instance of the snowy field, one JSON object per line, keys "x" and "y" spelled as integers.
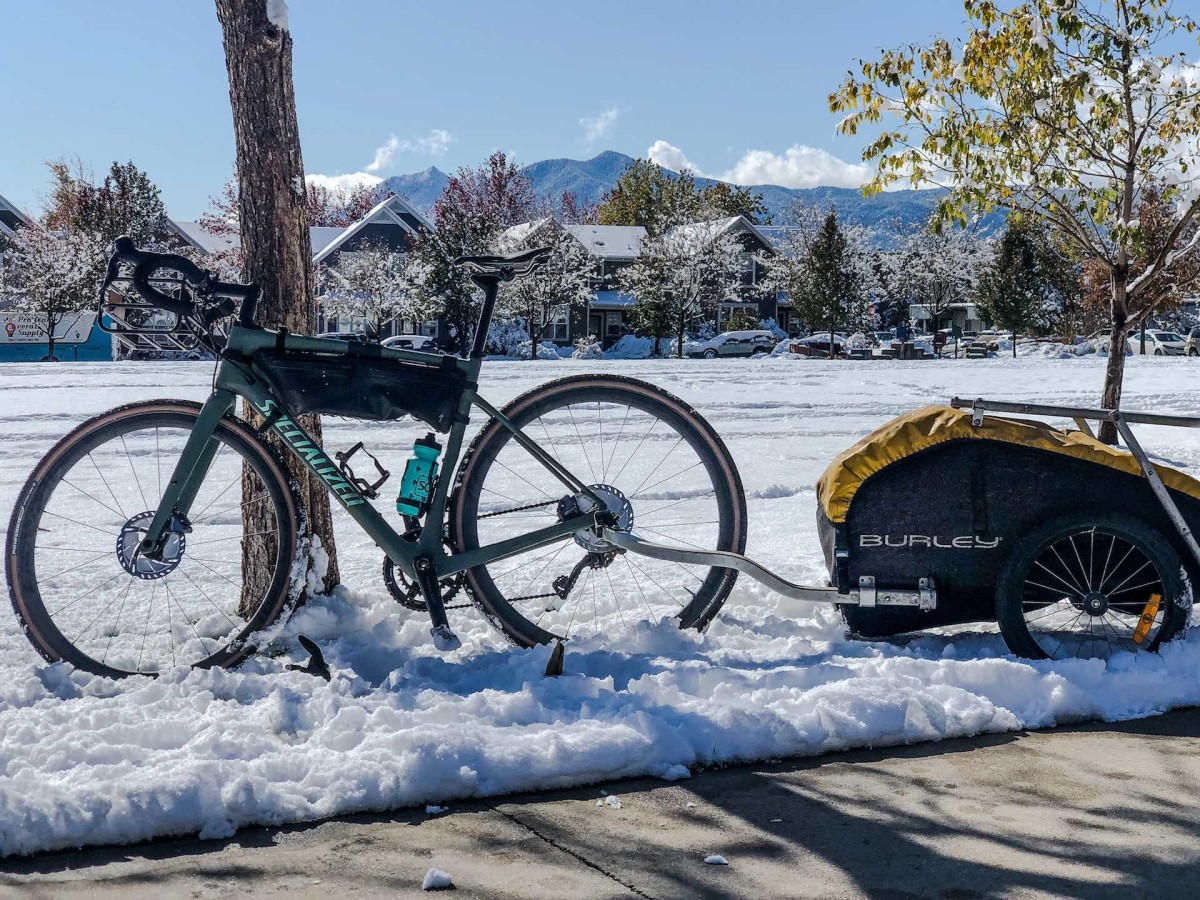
{"x": 87, "y": 760}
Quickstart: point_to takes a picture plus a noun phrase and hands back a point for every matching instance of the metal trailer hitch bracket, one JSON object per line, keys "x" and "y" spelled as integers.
{"x": 925, "y": 597}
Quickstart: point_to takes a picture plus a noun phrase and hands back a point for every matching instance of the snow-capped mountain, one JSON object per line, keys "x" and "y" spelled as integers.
{"x": 591, "y": 179}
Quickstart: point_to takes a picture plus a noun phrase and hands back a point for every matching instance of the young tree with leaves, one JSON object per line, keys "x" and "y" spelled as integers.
{"x": 940, "y": 267}
{"x": 1026, "y": 283}
{"x": 646, "y": 194}
{"x": 370, "y": 283}
{"x": 126, "y": 202}
{"x": 475, "y": 206}
{"x": 562, "y": 283}
{"x": 50, "y": 276}
{"x": 681, "y": 275}
{"x": 1068, "y": 110}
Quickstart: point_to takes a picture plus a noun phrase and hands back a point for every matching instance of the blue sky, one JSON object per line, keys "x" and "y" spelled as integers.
{"x": 728, "y": 87}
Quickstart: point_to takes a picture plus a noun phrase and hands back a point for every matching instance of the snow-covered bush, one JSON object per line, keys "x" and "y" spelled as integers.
{"x": 631, "y": 346}
{"x": 772, "y": 326}
{"x": 588, "y": 347}
{"x": 505, "y": 336}
{"x": 545, "y": 350}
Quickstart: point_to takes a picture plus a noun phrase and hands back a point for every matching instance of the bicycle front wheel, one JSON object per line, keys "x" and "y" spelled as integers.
{"x": 661, "y": 470}
{"x": 78, "y": 582}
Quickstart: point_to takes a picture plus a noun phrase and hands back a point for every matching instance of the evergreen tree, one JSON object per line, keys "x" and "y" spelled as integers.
{"x": 1026, "y": 283}
{"x": 827, "y": 289}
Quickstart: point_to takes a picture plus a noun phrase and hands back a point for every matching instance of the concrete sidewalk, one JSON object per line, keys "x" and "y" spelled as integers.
{"x": 1098, "y": 811}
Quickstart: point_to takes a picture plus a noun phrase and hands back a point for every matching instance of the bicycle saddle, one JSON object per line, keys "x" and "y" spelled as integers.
{"x": 506, "y": 268}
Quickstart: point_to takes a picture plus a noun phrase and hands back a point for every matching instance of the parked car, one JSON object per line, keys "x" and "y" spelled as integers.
{"x": 420, "y": 342}
{"x": 819, "y": 344}
{"x": 1191, "y": 346}
{"x": 342, "y": 336}
{"x": 734, "y": 343}
{"x": 1158, "y": 343}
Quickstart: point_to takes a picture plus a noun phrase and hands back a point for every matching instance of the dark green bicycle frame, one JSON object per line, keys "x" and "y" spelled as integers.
{"x": 235, "y": 378}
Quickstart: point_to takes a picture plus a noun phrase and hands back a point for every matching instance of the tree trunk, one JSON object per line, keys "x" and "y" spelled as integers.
{"x": 1014, "y": 337}
{"x": 1114, "y": 371}
{"x": 273, "y": 213}
{"x": 679, "y": 338}
{"x": 533, "y": 338}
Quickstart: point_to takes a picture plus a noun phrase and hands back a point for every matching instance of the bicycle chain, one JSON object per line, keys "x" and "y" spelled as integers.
{"x": 505, "y": 512}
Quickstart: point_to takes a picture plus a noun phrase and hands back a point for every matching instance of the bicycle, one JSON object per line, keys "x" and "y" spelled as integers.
{"x": 128, "y": 549}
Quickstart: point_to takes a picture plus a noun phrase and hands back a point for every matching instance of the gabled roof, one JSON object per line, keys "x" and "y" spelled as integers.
{"x": 391, "y": 210}
{"x": 731, "y": 224}
{"x": 11, "y": 218}
{"x": 609, "y": 241}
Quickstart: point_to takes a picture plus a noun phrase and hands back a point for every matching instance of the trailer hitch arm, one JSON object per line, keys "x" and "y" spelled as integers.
{"x": 867, "y": 594}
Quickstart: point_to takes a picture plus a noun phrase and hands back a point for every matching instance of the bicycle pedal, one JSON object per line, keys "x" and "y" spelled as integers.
{"x": 445, "y": 639}
{"x": 316, "y": 660}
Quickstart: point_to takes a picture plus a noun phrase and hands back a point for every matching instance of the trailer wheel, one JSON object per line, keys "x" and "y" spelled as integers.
{"x": 1089, "y": 585}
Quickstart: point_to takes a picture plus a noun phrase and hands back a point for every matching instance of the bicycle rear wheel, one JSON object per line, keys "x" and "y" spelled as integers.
{"x": 660, "y": 468}
{"x": 81, "y": 589}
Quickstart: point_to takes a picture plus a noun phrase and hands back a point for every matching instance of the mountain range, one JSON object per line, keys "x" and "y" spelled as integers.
{"x": 591, "y": 179}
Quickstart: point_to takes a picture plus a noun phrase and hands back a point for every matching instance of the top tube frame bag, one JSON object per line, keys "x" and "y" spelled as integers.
{"x": 362, "y": 387}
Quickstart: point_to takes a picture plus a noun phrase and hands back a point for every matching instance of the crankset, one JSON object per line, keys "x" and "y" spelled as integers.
{"x": 408, "y": 593}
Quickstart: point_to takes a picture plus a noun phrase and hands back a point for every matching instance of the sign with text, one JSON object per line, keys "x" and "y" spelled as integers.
{"x": 30, "y": 328}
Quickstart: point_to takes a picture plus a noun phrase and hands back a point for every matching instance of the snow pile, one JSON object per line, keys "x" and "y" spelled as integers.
{"x": 630, "y": 346}
{"x": 85, "y": 760}
{"x": 545, "y": 350}
{"x": 586, "y": 348}
{"x": 437, "y": 880}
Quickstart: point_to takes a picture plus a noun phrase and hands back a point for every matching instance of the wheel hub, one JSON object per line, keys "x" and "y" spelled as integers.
{"x": 129, "y": 549}
{"x": 618, "y": 508}
{"x": 1095, "y": 603}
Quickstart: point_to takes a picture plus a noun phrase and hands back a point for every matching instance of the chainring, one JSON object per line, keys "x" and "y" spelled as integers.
{"x": 407, "y": 592}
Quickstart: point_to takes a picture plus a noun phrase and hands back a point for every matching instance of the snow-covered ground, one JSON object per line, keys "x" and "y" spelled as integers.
{"x": 88, "y": 760}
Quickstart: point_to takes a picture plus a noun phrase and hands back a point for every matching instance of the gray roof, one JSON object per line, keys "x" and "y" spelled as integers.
{"x": 11, "y": 217}
{"x": 609, "y": 241}
{"x": 321, "y": 237}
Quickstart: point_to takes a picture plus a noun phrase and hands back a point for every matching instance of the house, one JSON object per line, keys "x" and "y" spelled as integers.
{"x": 11, "y": 218}
{"x": 616, "y": 247}
{"x": 392, "y": 223}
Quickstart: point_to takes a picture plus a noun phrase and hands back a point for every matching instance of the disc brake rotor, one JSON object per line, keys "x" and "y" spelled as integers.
{"x": 129, "y": 549}
{"x": 618, "y": 507}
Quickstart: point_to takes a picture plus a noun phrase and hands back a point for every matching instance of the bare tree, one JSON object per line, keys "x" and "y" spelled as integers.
{"x": 273, "y": 215}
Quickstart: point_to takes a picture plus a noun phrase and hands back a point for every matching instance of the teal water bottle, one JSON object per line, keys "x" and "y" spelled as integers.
{"x": 420, "y": 473}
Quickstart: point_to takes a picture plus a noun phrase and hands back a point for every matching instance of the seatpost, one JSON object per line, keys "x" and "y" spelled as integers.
{"x": 491, "y": 286}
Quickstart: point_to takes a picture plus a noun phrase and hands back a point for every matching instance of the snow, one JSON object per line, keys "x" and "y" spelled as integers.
{"x": 436, "y": 880}
{"x": 277, "y": 13}
{"x": 86, "y": 760}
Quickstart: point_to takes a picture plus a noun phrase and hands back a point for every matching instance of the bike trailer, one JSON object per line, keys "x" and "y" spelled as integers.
{"x": 1011, "y": 517}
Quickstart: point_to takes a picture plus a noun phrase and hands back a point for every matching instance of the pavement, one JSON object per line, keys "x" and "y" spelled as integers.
{"x": 1095, "y": 811}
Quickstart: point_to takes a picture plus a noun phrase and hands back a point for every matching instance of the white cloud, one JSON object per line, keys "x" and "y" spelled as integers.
{"x": 597, "y": 127}
{"x": 342, "y": 183}
{"x": 435, "y": 143}
{"x": 669, "y": 157}
{"x": 799, "y": 166}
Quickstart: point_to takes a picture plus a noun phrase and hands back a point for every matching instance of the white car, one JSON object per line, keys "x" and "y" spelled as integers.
{"x": 734, "y": 343}
{"x": 419, "y": 342}
{"x": 1158, "y": 343}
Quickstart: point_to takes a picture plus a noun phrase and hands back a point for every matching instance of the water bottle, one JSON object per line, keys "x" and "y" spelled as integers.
{"x": 420, "y": 473}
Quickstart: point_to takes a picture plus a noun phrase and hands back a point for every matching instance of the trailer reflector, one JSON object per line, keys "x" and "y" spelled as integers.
{"x": 1147, "y": 621}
